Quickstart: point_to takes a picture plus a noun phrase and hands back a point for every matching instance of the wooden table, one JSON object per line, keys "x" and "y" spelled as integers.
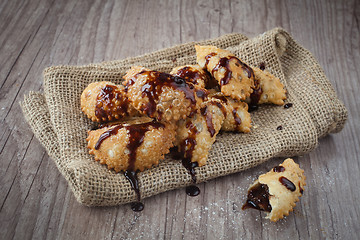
{"x": 35, "y": 199}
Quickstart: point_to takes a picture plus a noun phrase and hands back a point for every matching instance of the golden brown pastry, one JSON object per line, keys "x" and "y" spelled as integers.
{"x": 271, "y": 89}
{"x": 277, "y": 190}
{"x": 236, "y": 79}
{"x": 237, "y": 117}
{"x": 133, "y": 145}
{"x": 105, "y": 101}
{"x": 162, "y": 96}
{"x": 195, "y": 135}
{"x": 194, "y": 74}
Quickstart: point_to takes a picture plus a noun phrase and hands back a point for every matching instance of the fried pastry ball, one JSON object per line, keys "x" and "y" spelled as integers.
{"x": 272, "y": 90}
{"x": 195, "y": 135}
{"x": 134, "y": 145}
{"x": 237, "y": 117}
{"x": 277, "y": 190}
{"x": 236, "y": 79}
{"x": 194, "y": 74}
{"x": 162, "y": 96}
{"x": 105, "y": 101}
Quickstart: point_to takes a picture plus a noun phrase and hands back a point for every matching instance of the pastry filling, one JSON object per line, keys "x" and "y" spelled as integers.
{"x": 258, "y": 198}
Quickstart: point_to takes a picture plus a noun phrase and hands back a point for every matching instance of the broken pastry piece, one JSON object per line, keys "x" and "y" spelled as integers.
{"x": 194, "y": 74}
{"x": 195, "y": 135}
{"x": 271, "y": 89}
{"x": 277, "y": 191}
{"x": 161, "y": 95}
{"x": 236, "y": 79}
{"x": 237, "y": 117}
{"x": 105, "y": 101}
{"x": 132, "y": 145}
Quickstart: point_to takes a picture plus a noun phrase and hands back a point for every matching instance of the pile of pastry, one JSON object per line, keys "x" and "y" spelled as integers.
{"x": 153, "y": 111}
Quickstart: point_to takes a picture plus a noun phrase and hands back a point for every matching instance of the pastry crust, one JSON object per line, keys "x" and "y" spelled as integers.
{"x": 272, "y": 90}
{"x": 236, "y": 79}
{"x": 237, "y": 117}
{"x": 285, "y": 184}
{"x": 195, "y": 135}
{"x": 134, "y": 145}
{"x": 162, "y": 96}
{"x": 105, "y": 101}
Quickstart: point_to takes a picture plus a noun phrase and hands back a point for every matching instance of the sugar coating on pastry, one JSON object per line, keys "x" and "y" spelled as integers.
{"x": 134, "y": 145}
{"x": 272, "y": 90}
{"x": 194, "y": 74}
{"x": 277, "y": 191}
{"x": 236, "y": 78}
{"x": 195, "y": 135}
{"x": 237, "y": 117}
{"x": 162, "y": 96}
{"x": 105, "y": 101}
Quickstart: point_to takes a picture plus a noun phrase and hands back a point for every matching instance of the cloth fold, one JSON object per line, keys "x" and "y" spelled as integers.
{"x": 57, "y": 121}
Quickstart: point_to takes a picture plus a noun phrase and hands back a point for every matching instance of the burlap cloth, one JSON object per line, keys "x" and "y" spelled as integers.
{"x": 57, "y": 121}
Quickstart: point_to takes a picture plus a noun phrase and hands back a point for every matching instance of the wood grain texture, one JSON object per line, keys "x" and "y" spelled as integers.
{"x": 35, "y": 201}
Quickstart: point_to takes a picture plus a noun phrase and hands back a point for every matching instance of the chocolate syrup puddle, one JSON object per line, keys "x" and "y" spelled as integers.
{"x": 136, "y": 135}
{"x": 262, "y": 66}
{"x": 258, "y": 198}
{"x": 288, "y": 105}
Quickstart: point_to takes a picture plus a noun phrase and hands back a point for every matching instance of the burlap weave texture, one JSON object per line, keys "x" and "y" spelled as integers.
{"x": 57, "y": 121}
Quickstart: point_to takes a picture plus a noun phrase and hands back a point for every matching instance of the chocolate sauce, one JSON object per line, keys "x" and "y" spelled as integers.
{"x": 279, "y": 128}
{"x": 278, "y": 169}
{"x": 236, "y": 117}
{"x": 105, "y": 106}
{"x": 192, "y": 191}
{"x": 258, "y": 198}
{"x": 202, "y": 93}
{"x": 131, "y": 176}
{"x": 287, "y": 183}
{"x": 300, "y": 188}
{"x": 288, "y": 105}
{"x": 207, "y": 58}
{"x": 136, "y": 135}
{"x": 154, "y": 87}
{"x": 190, "y": 166}
{"x": 189, "y": 75}
{"x": 225, "y": 63}
{"x": 262, "y": 66}
{"x": 209, "y": 123}
{"x": 137, "y": 206}
{"x": 107, "y": 134}
{"x": 253, "y": 108}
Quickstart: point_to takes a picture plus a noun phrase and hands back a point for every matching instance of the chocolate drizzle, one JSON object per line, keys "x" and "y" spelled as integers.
{"x": 288, "y": 105}
{"x": 209, "y": 122}
{"x": 236, "y": 117}
{"x": 110, "y": 103}
{"x": 189, "y": 75}
{"x": 287, "y": 183}
{"x": 262, "y": 66}
{"x": 136, "y": 135}
{"x": 225, "y": 63}
{"x": 258, "y": 198}
{"x": 278, "y": 169}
